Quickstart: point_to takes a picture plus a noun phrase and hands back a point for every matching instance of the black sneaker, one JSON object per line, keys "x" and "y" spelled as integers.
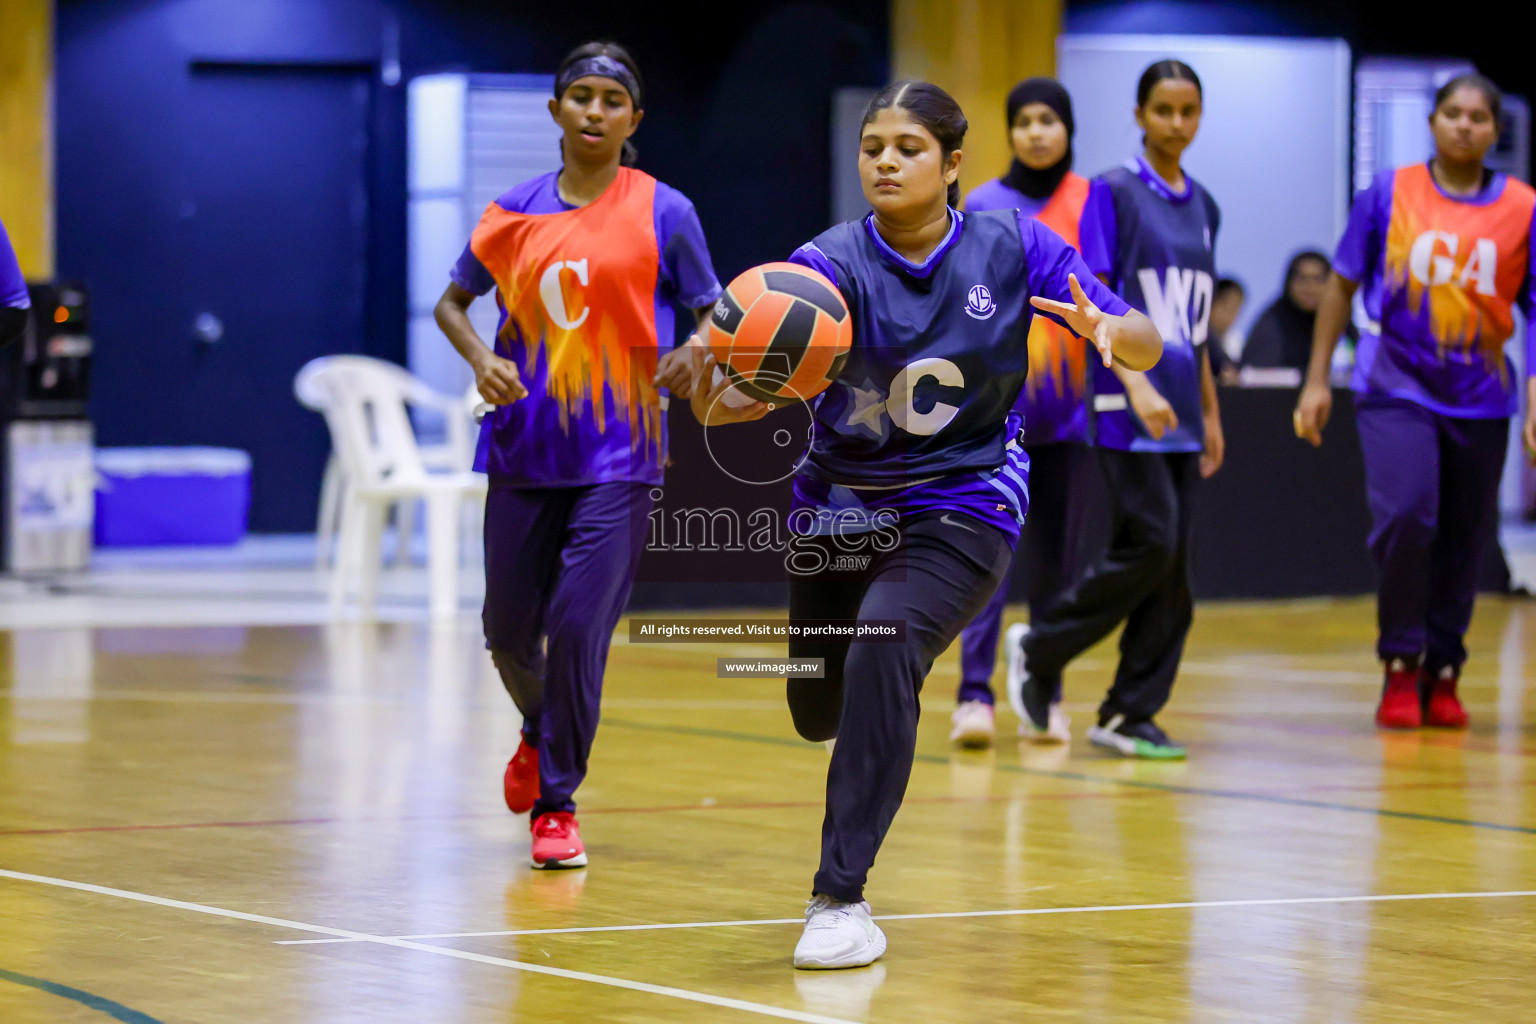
{"x": 1135, "y": 739}
{"x": 1034, "y": 700}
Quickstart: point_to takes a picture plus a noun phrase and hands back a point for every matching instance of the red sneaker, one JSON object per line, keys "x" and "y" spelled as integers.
{"x": 520, "y": 785}
{"x": 557, "y": 841}
{"x": 1399, "y": 707}
{"x": 1444, "y": 711}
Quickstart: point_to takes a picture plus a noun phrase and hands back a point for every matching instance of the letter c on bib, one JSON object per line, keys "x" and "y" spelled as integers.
{"x": 554, "y": 296}
{"x": 1429, "y": 267}
{"x": 900, "y": 406}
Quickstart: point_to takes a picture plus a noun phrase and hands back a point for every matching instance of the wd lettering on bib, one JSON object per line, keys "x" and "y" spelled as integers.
{"x": 1156, "y": 248}
{"x": 1180, "y": 304}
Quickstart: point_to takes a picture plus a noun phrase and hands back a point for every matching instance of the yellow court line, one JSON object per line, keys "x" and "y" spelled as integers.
{"x": 458, "y": 954}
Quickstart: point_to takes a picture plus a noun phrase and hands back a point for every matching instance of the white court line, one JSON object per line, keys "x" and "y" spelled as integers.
{"x": 382, "y": 699}
{"x": 1029, "y": 912}
{"x": 567, "y": 931}
{"x": 459, "y": 954}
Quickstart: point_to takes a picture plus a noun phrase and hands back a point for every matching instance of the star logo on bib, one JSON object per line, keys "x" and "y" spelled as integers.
{"x": 868, "y": 408}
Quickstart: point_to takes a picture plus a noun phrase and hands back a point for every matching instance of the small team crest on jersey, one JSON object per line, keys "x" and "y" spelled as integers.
{"x": 978, "y": 302}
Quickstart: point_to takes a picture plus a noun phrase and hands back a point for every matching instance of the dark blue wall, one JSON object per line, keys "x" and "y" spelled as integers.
{"x": 737, "y": 118}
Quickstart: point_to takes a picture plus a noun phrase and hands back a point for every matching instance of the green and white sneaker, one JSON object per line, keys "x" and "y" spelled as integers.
{"x": 1135, "y": 739}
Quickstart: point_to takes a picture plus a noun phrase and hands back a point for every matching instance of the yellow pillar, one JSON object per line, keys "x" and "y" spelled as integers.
{"x": 976, "y": 50}
{"x": 26, "y": 131}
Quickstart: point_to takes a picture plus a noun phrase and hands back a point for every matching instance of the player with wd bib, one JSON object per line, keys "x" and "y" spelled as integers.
{"x": 1150, "y": 232}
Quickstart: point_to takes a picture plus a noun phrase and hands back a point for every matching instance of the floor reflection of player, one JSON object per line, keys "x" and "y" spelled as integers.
{"x": 914, "y": 425}
{"x": 1443, "y": 250}
{"x": 587, "y": 263}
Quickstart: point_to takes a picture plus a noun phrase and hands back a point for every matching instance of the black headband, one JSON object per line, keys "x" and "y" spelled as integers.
{"x": 602, "y": 66}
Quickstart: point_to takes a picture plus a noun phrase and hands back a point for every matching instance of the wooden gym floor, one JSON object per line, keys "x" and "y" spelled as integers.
{"x": 299, "y": 823}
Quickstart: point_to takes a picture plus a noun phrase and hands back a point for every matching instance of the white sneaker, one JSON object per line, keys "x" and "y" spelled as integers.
{"x": 1013, "y": 644}
{"x": 974, "y": 724}
{"x": 1058, "y": 728}
{"x": 838, "y": 935}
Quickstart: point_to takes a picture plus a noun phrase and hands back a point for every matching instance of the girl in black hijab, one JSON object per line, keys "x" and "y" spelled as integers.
{"x": 1040, "y": 128}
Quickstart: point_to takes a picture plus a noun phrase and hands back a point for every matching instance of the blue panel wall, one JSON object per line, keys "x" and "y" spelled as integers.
{"x": 1494, "y": 39}
{"x": 738, "y": 111}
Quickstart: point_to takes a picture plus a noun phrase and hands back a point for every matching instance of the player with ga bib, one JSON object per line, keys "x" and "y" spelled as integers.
{"x": 1442, "y": 251}
{"x": 1157, "y": 434}
{"x": 1053, "y": 407}
{"x": 587, "y": 263}
{"x": 911, "y": 440}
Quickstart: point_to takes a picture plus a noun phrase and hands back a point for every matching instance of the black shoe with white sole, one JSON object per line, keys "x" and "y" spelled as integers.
{"x": 1141, "y": 739}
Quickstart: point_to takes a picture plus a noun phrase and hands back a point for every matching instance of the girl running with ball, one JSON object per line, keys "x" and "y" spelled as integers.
{"x": 913, "y": 432}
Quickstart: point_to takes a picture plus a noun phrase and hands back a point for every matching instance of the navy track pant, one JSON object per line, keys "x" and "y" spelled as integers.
{"x": 936, "y": 579}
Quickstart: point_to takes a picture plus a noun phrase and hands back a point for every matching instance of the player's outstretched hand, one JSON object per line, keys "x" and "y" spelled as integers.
{"x": 1312, "y": 412}
{"x": 1529, "y": 434}
{"x": 498, "y": 381}
{"x": 713, "y": 400}
{"x": 1084, "y": 317}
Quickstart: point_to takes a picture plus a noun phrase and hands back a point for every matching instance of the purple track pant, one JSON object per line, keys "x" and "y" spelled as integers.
{"x": 559, "y": 566}
{"x": 1432, "y": 483}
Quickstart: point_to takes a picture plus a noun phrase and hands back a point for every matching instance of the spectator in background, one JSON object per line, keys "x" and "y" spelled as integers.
{"x": 1226, "y": 306}
{"x": 1282, "y": 335}
{"x": 14, "y": 302}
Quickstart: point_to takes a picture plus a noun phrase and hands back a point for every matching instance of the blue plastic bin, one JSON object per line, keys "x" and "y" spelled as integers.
{"x": 158, "y": 497}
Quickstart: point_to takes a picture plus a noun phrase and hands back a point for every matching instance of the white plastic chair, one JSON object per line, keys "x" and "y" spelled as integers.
{"x": 455, "y": 454}
{"x": 382, "y": 465}
{"x": 315, "y": 396}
